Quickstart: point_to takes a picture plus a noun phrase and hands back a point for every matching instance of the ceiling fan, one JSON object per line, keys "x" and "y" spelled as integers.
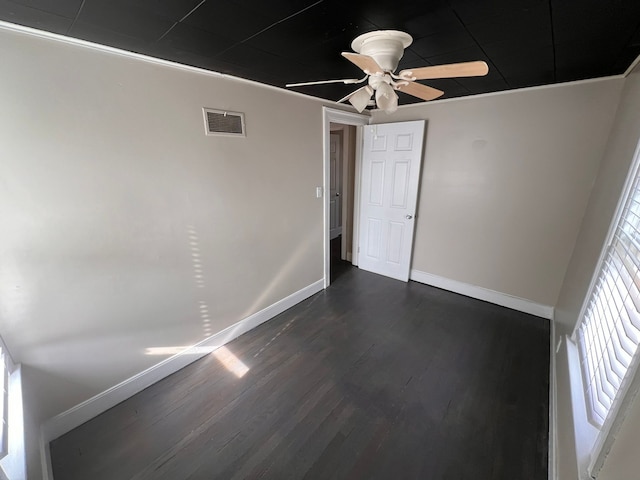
{"x": 378, "y": 54}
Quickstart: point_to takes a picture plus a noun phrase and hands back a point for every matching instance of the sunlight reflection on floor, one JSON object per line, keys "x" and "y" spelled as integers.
{"x": 223, "y": 354}
{"x": 231, "y": 362}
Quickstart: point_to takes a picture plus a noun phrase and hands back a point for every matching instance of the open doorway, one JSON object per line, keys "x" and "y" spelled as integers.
{"x": 342, "y": 164}
{"x": 341, "y": 118}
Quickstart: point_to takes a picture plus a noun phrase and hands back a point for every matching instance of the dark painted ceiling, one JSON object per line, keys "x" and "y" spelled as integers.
{"x": 525, "y": 42}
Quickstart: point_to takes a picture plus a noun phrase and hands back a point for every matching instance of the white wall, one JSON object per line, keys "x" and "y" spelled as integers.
{"x": 505, "y": 181}
{"x": 606, "y": 191}
{"x": 109, "y": 190}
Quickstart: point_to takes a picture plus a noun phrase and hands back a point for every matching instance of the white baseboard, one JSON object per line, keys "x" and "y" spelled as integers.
{"x": 76, "y": 416}
{"x": 481, "y": 293}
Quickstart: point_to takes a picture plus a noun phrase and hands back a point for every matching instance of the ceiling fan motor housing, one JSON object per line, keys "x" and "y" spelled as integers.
{"x": 385, "y": 46}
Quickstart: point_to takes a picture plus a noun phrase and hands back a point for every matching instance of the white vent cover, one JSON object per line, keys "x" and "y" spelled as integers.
{"x": 221, "y": 122}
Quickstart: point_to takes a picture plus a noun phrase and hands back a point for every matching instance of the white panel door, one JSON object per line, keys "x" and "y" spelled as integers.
{"x": 391, "y": 160}
{"x": 335, "y": 185}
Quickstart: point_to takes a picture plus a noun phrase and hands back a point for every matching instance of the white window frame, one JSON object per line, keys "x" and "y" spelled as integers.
{"x": 6, "y": 368}
{"x": 630, "y": 384}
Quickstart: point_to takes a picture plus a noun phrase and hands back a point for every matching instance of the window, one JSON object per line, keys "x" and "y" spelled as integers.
{"x": 4, "y": 400}
{"x": 608, "y": 333}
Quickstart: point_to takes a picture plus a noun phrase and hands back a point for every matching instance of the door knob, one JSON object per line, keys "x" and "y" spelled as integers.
{"x": 337, "y": 194}
{"x": 408, "y": 217}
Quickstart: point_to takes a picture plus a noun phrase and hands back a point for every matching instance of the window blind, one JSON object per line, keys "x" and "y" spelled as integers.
{"x": 609, "y": 332}
{"x": 4, "y": 411}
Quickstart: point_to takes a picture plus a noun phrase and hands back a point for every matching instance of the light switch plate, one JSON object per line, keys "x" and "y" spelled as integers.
{"x": 318, "y": 192}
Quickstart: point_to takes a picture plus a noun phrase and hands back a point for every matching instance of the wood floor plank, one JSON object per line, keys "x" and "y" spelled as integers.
{"x": 367, "y": 379}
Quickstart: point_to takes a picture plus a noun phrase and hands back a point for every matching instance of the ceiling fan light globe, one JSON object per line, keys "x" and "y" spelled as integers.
{"x": 386, "y": 98}
{"x": 360, "y": 98}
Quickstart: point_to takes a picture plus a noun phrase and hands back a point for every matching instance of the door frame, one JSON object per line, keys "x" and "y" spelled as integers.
{"x": 331, "y": 115}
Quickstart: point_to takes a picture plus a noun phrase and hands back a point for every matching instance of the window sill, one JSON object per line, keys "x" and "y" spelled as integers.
{"x": 586, "y": 434}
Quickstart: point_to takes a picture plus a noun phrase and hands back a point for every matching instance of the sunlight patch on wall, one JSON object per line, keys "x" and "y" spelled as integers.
{"x": 294, "y": 261}
{"x": 191, "y": 350}
{"x": 199, "y": 277}
{"x": 196, "y": 257}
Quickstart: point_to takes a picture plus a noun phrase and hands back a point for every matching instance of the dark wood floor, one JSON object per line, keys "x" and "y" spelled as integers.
{"x": 370, "y": 379}
{"x": 338, "y": 266}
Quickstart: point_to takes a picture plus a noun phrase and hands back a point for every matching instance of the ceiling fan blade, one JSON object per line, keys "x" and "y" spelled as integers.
{"x": 320, "y": 82}
{"x": 366, "y": 63}
{"x": 452, "y": 70}
{"x": 421, "y": 91}
{"x": 360, "y": 98}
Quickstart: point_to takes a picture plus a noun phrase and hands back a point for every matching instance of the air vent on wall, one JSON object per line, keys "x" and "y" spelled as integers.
{"x": 220, "y": 122}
